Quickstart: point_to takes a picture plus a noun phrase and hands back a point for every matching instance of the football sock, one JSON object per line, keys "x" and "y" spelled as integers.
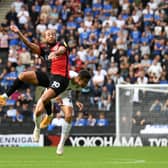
{"x": 66, "y": 127}
{"x": 37, "y": 120}
{"x": 48, "y": 108}
{"x": 4, "y": 95}
{"x": 17, "y": 84}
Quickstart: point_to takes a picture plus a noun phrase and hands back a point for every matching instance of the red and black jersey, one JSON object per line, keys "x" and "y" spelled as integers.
{"x": 59, "y": 65}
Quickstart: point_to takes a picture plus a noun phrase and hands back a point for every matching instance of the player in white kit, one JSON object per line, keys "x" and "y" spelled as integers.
{"x": 76, "y": 83}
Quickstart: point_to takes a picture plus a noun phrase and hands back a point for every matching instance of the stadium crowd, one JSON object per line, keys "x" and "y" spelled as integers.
{"x": 118, "y": 41}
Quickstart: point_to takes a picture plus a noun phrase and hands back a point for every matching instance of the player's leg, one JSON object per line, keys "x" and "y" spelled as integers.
{"x": 56, "y": 103}
{"x": 57, "y": 85}
{"x": 49, "y": 116}
{"x": 43, "y": 80}
{"x": 66, "y": 127}
{"x": 39, "y": 109}
{"x": 28, "y": 77}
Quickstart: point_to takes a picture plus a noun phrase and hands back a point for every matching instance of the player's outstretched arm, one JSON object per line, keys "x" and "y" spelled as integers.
{"x": 34, "y": 47}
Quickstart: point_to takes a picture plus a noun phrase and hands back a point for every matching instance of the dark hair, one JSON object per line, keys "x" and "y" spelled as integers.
{"x": 85, "y": 74}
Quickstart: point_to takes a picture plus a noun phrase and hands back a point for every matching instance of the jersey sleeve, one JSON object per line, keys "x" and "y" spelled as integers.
{"x": 72, "y": 74}
{"x": 42, "y": 52}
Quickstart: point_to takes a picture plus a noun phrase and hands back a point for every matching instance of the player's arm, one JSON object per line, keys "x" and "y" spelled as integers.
{"x": 61, "y": 50}
{"x": 33, "y": 47}
{"x": 58, "y": 52}
{"x": 78, "y": 103}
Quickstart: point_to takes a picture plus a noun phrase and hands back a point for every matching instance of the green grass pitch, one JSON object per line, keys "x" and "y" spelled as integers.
{"x": 80, "y": 157}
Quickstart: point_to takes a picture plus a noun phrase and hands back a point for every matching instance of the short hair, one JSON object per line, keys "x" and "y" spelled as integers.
{"x": 85, "y": 74}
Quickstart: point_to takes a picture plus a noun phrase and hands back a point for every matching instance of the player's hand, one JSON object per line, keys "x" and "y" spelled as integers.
{"x": 80, "y": 105}
{"x": 14, "y": 28}
{"x": 52, "y": 55}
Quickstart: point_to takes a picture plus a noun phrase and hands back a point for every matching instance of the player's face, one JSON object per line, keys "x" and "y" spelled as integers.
{"x": 50, "y": 36}
{"x": 82, "y": 82}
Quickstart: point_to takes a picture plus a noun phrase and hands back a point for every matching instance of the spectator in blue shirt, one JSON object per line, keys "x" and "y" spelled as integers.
{"x": 135, "y": 35}
{"x": 156, "y": 106}
{"x": 144, "y": 38}
{"x": 83, "y": 37}
{"x": 102, "y": 121}
{"x": 11, "y": 76}
{"x": 72, "y": 57}
{"x": 107, "y": 8}
{"x": 91, "y": 121}
{"x": 80, "y": 120}
{"x": 88, "y": 10}
{"x": 97, "y": 7}
{"x": 158, "y": 47}
{"x": 71, "y": 25}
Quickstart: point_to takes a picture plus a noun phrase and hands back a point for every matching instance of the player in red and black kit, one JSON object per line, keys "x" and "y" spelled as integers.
{"x": 59, "y": 79}
{"x": 38, "y": 77}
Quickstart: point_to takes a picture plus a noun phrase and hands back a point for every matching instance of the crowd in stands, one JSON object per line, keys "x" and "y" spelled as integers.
{"x": 118, "y": 41}
{"x": 81, "y": 120}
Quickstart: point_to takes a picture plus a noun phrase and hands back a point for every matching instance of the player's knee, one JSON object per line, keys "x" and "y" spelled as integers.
{"x": 22, "y": 76}
{"x": 39, "y": 107}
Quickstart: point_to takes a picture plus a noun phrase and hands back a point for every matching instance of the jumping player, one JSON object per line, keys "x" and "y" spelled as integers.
{"x": 55, "y": 55}
{"x": 33, "y": 77}
{"x": 59, "y": 79}
{"x": 76, "y": 83}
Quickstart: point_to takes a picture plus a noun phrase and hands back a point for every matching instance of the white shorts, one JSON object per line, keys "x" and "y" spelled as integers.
{"x": 67, "y": 102}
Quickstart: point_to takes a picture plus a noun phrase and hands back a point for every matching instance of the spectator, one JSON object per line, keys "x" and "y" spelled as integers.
{"x": 103, "y": 61}
{"x": 95, "y": 94}
{"x": 17, "y": 5}
{"x": 13, "y": 114}
{"x": 11, "y": 76}
{"x": 155, "y": 69}
{"x": 91, "y": 121}
{"x": 23, "y": 16}
{"x": 12, "y": 16}
{"x": 138, "y": 122}
{"x": 156, "y": 106}
{"x": 102, "y": 121}
{"x": 13, "y": 37}
{"x": 4, "y": 40}
{"x": 91, "y": 60}
{"x": 24, "y": 57}
{"x": 56, "y": 122}
{"x": 165, "y": 107}
{"x": 112, "y": 70}
{"x": 99, "y": 76}
{"x": 142, "y": 79}
{"x": 80, "y": 120}
{"x": 104, "y": 102}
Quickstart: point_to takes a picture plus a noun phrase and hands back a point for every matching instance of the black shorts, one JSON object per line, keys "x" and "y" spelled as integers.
{"x": 43, "y": 79}
{"x": 58, "y": 83}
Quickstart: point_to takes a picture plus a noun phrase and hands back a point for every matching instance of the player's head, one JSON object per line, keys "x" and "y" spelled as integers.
{"x": 50, "y": 36}
{"x": 83, "y": 78}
